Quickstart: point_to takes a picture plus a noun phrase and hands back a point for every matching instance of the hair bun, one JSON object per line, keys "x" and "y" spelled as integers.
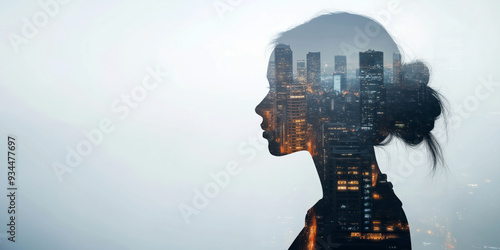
{"x": 412, "y": 108}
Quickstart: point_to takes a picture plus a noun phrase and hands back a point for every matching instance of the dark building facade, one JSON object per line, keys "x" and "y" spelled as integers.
{"x": 283, "y": 60}
{"x": 314, "y": 69}
{"x": 301, "y": 72}
{"x": 371, "y": 90}
{"x": 340, "y": 74}
{"x": 396, "y": 69}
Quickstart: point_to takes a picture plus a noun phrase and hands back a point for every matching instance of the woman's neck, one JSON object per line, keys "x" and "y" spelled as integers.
{"x": 349, "y": 169}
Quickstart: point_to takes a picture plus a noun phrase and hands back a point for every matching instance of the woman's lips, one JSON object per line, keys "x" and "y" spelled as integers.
{"x": 266, "y": 135}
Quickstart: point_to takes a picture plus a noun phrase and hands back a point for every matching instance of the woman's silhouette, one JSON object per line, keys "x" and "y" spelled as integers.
{"x": 339, "y": 113}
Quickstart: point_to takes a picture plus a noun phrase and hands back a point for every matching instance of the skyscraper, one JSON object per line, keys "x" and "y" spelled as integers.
{"x": 296, "y": 125}
{"x": 271, "y": 75}
{"x": 301, "y": 71}
{"x": 340, "y": 74}
{"x": 372, "y": 92}
{"x": 313, "y": 69}
{"x": 363, "y": 206}
{"x": 283, "y": 60}
{"x": 396, "y": 69}
{"x": 349, "y": 178}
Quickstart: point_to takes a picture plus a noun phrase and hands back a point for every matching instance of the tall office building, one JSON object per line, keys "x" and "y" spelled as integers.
{"x": 361, "y": 202}
{"x": 301, "y": 71}
{"x": 271, "y": 75}
{"x": 396, "y": 70}
{"x": 283, "y": 60}
{"x": 348, "y": 176}
{"x": 372, "y": 91}
{"x": 313, "y": 61}
{"x": 313, "y": 69}
{"x": 340, "y": 74}
{"x": 296, "y": 125}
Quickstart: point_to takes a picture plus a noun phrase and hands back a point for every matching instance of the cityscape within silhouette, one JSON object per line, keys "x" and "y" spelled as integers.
{"x": 348, "y": 92}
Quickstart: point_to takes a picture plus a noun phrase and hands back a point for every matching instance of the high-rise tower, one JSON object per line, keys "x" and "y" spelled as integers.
{"x": 296, "y": 125}
{"x": 396, "y": 69}
{"x": 313, "y": 69}
{"x": 340, "y": 74}
{"x": 283, "y": 60}
{"x": 301, "y": 71}
{"x": 372, "y": 91}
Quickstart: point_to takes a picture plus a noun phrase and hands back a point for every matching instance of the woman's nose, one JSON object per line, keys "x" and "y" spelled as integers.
{"x": 259, "y": 108}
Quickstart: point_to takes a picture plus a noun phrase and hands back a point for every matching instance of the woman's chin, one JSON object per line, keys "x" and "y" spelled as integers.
{"x": 274, "y": 148}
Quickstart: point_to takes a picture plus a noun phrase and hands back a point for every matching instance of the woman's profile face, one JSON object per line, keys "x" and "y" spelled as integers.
{"x": 267, "y": 110}
{"x": 317, "y": 74}
{"x": 284, "y": 109}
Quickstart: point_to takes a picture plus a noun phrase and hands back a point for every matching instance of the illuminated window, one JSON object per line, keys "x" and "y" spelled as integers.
{"x": 355, "y": 234}
{"x": 341, "y": 188}
{"x": 341, "y": 182}
{"x": 353, "y": 188}
{"x": 353, "y": 182}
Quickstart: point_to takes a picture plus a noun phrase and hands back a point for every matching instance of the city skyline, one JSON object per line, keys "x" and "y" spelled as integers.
{"x": 348, "y": 73}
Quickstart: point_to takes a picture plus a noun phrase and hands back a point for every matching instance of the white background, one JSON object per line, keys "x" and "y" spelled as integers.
{"x": 126, "y": 193}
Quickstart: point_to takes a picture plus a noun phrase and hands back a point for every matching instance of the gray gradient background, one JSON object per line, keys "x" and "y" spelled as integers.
{"x": 126, "y": 194}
